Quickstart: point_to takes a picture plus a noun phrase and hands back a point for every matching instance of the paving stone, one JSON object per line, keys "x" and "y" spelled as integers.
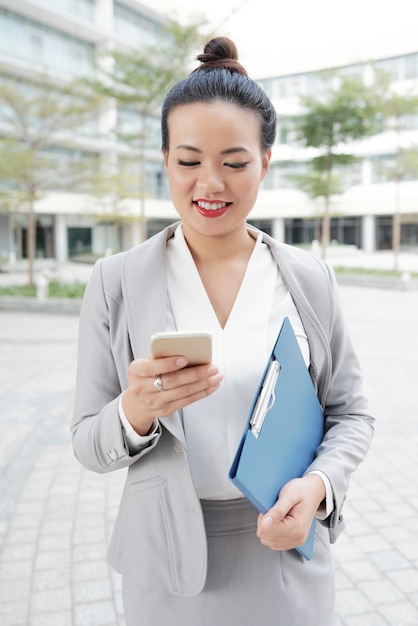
{"x": 56, "y": 517}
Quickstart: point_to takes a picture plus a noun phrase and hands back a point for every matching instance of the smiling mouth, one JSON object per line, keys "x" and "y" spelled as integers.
{"x": 211, "y": 206}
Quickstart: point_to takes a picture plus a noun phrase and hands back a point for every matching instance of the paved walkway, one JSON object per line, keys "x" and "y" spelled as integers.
{"x": 55, "y": 517}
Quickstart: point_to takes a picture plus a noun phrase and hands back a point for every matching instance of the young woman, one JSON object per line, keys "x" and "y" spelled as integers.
{"x": 191, "y": 550}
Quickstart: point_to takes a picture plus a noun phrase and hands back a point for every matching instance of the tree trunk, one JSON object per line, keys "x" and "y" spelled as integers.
{"x": 142, "y": 225}
{"x": 31, "y": 236}
{"x": 326, "y": 222}
{"x": 396, "y": 222}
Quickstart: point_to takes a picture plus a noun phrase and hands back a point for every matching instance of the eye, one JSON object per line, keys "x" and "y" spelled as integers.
{"x": 187, "y": 163}
{"x": 236, "y": 166}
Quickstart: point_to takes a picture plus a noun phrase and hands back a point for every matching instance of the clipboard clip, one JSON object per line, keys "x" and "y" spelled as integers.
{"x": 266, "y": 398}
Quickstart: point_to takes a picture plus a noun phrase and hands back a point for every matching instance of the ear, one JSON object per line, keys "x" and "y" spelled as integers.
{"x": 165, "y": 156}
{"x": 265, "y": 163}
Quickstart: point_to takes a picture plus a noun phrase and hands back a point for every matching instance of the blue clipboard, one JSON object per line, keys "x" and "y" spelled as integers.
{"x": 284, "y": 429}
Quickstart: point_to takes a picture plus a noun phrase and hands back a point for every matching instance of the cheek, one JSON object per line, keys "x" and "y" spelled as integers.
{"x": 178, "y": 182}
{"x": 250, "y": 184}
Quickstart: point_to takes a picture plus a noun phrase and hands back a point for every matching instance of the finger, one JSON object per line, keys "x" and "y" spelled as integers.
{"x": 154, "y": 367}
{"x": 283, "y": 535}
{"x": 167, "y": 402}
{"x": 190, "y": 379}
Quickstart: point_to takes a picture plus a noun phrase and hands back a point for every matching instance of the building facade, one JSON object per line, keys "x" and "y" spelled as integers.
{"x": 362, "y": 215}
{"x": 63, "y": 38}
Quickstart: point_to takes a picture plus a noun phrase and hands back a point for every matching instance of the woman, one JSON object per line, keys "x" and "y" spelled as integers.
{"x": 190, "y": 548}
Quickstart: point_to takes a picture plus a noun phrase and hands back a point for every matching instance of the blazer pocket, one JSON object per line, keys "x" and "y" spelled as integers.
{"x": 141, "y": 545}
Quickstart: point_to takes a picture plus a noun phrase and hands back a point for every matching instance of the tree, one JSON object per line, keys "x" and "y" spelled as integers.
{"x": 318, "y": 184}
{"x": 139, "y": 80}
{"x": 346, "y": 112}
{"x": 36, "y": 116}
{"x": 394, "y": 107}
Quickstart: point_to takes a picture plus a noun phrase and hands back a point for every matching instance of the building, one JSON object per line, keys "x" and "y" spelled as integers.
{"x": 362, "y": 215}
{"x": 61, "y": 39}
{"x": 64, "y": 37}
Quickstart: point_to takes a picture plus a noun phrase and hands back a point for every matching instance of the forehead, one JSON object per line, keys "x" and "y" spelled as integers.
{"x": 215, "y": 119}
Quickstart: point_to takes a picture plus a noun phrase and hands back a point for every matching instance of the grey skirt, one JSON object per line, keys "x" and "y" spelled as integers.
{"x": 247, "y": 583}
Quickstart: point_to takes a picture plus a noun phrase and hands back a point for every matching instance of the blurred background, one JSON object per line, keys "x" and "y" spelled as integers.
{"x": 81, "y": 85}
{"x": 81, "y": 176}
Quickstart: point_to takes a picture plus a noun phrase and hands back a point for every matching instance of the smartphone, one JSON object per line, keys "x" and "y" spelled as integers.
{"x": 195, "y": 346}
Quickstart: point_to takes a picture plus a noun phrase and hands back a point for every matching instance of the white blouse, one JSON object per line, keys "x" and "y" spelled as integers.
{"x": 214, "y": 426}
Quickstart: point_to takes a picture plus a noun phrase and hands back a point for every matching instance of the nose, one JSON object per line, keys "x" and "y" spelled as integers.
{"x": 210, "y": 179}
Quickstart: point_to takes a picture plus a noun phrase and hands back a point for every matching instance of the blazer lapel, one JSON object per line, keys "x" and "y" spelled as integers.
{"x": 144, "y": 288}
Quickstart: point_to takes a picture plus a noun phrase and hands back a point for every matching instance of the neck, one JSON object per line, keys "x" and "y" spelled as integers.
{"x": 219, "y": 248}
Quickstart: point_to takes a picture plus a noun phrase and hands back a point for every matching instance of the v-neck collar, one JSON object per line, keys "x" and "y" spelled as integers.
{"x": 191, "y": 306}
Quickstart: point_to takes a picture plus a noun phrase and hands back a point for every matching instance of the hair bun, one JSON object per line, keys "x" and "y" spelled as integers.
{"x": 222, "y": 53}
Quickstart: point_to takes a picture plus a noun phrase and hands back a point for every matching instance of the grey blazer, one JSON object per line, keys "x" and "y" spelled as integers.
{"x": 159, "y": 536}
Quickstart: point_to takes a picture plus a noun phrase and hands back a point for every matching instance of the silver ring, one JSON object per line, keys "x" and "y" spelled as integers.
{"x": 158, "y": 383}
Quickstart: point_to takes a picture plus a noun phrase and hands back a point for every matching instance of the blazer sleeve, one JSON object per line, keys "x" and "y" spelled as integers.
{"x": 104, "y": 353}
{"x": 348, "y": 422}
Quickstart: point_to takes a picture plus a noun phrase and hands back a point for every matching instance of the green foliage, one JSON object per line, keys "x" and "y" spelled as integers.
{"x": 140, "y": 79}
{"x": 24, "y": 291}
{"x": 315, "y": 184}
{"x": 56, "y": 289}
{"x": 366, "y": 271}
{"x": 35, "y": 114}
{"x": 344, "y": 113}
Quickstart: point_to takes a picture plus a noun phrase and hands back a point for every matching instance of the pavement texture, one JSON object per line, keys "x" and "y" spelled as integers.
{"x": 56, "y": 517}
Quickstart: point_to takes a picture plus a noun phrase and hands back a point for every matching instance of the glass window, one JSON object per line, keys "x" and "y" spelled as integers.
{"x": 411, "y": 65}
{"x": 349, "y": 174}
{"x": 34, "y": 42}
{"x": 317, "y": 82}
{"x": 291, "y": 86}
{"x": 81, "y": 8}
{"x": 129, "y": 122}
{"x": 383, "y": 167}
{"x": 391, "y": 67}
{"x": 135, "y": 27}
{"x": 69, "y": 170}
{"x": 286, "y": 170}
{"x": 409, "y": 122}
{"x": 352, "y": 71}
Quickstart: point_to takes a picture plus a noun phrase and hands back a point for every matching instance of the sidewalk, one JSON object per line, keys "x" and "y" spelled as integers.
{"x": 338, "y": 256}
{"x": 56, "y": 517}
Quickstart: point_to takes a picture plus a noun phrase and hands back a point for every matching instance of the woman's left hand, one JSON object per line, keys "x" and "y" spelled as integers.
{"x": 288, "y": 522}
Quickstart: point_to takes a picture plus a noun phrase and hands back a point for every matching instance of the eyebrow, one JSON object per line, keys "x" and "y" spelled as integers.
{"x": 226, "y": 151}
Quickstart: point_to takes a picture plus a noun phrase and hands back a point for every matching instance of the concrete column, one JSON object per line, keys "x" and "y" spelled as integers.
{"x": 366, "y": 172}
{"x": 60, "y": 238}
{"x": 368, "y": 228}
{"x": 104, "y": 14}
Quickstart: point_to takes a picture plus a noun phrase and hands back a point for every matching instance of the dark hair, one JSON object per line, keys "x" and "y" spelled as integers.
{"x": 220, "y": 76}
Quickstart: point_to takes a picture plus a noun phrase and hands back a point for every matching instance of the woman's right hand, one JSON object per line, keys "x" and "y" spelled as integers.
{"x": 142, "y": 401}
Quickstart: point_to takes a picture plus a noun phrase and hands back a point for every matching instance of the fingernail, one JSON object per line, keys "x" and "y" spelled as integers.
{"x": 181, "y": 361}
{"x": 212, "y": 370}
{"x": 268, "y": 521}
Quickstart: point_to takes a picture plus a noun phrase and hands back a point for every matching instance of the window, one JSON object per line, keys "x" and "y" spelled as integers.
{"x": 286, "y": 170}
{"x": 391, "y": 67}
{"x": 135, "y": 27}
{"x": 32, "y": 41}
{"x": 411, "y": 65}
{"x": 81, "y": 8}
{"x": 79, "y": 240}
{"x": 382, "y": 167}
{"x": 291, "y": 86}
